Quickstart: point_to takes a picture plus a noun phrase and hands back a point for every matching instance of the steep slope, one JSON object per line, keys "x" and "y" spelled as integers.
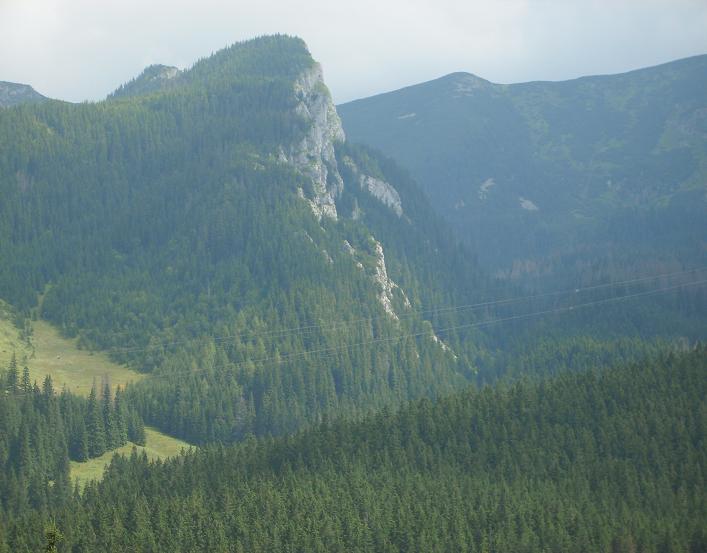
{"x": 154, "y": 78}
{"x": 609, "y": 460}
{"x": 15, "y": 94}
{"x": 218, "y": 233}
{"x": 563, "y": 181}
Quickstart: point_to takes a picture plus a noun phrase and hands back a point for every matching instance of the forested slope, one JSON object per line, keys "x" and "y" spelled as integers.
{"x": 611, "y": 459}
{"x": 187, "y": 229}
{"x": 41, "y": 430}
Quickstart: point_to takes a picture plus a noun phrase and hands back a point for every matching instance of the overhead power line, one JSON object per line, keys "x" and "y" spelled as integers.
{"x": 336, "y": 325}
{"x": 279, "y": 359}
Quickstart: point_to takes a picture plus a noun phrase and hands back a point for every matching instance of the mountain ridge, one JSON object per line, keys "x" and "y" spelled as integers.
{"x": 228, "y": 204}
{"x": 15, "y": 94}
{"x": 694, "y": 59}
{"x": 531, "y": 173}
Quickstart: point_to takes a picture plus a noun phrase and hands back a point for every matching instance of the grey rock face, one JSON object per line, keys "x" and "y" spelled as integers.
{"x": 14, "y": 94}
{"x": 314, "y": 156}
{"x": 153, "y": 78}
{"x": 378, "y": 188}
{"x": 385, "y": 284}
{"x": 384, "y": 192}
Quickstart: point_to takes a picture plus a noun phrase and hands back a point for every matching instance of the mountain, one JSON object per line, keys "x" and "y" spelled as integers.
{"x": 14, "y": 94}
{"x": 305, "y": 318}
{"x": 612, "y": 459}
{"x": 220, "y": 234}
{"x": 152, "y": 79}
{"x": 557, "y": 182}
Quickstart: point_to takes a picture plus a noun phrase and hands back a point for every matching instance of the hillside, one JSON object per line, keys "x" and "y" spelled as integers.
{"x": 206, "y": 254}
{"x": 153, "y": 79}
{"x": 186, "y": 230}
{"x": 554, "y": 183}
{"x": 46, "y": 353}
{"x": 15, "y": 94}
{"x": 157, "y": 446}
{"x": 608, "y": 460}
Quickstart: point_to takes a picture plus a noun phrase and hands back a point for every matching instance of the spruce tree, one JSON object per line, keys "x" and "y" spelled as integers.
{"x": 112, "y": 438}
{"x": 136, "y": 429}
{"x": 120, "y": 418}
{"x": 26, "y": 382}
{"x": 12, "y": 375}
{"x": 95, "y": 427}
{"x": 52, "y": 536}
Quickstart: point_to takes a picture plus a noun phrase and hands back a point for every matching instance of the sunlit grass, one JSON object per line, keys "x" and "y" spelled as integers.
{"x": 76, "y": 369}
{"x": 158, "y": 446}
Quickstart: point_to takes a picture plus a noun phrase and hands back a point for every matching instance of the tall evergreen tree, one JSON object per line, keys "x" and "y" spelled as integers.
{"x": 26, "y": 382}
{"x": 112, "y": 433}
{"x": 12, "y": 377}
{"x": 95, "y": 428}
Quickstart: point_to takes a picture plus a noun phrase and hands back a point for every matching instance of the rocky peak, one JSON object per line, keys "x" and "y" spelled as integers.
{"x": 314, "y": 156}
{"x": 153, "y": 78}
{"x": 14, "y": 94}
{"x": 467, "y": 84}
{"x": 161, "y": 72}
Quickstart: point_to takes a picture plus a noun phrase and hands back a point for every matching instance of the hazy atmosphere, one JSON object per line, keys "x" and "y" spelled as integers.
{"x": 81, "y": 50}
{"x": 457, "y": 304}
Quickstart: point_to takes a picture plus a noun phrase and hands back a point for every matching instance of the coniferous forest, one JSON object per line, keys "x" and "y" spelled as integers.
{"x": 604, "y": 460}
{"x": 42, "y": 429}
{"x": 353, "y": 376}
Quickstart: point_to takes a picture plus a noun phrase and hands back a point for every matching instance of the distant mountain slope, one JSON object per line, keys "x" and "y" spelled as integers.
{"x": 217, "y": 231}
{"x": 609, "y": 460}
{"x": 15, "y": 94}
{"x": 577, "y": 179}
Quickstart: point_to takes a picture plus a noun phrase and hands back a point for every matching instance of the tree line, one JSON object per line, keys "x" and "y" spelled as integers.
{"x": 42, "y": 430}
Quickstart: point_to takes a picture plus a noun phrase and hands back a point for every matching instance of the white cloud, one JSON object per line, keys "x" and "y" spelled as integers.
{"x": 82, "y": 49}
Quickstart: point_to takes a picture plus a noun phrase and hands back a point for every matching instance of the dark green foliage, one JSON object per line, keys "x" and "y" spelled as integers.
{"x": 40, "y": 432}
{"x": 607, "y": 460}
{"x": 135, "y": 431}
{"x": 53, "y": 537}
{"x": 95, "y": 426}
{"x": 12, "y": 382}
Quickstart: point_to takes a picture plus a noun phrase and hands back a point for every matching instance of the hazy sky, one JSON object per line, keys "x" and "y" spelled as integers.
{"x": 83, "y": 49}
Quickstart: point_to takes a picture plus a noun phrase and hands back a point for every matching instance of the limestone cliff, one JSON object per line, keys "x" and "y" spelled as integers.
{"x": 314, "y": 156}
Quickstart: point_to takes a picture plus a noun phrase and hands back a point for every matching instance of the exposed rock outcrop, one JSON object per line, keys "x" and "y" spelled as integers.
{"x": 384, "y": 192}
{"x": 14, "y": 94}
{"x": 378, "y": 188}
{"x": 153, "y": 78}
{"x": 527, "y": 204}
{"x": 437, "y": 340}
{"x": 314, "y": 156}
{"x": 386, "y": 284}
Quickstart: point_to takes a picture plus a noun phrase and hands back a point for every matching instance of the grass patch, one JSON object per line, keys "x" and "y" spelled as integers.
{"x": 157, "y": 446}
{"x": 50, "y": 353}
{"x": 70, "y": 366}
{"x": 59, "y": 357}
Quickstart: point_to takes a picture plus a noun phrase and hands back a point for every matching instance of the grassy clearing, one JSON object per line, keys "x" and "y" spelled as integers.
{"x": 157, "y": 446}
{"x": 10, "y": 340}
{"x": 71, "y": 367}
{"x": 50, "y": 353}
